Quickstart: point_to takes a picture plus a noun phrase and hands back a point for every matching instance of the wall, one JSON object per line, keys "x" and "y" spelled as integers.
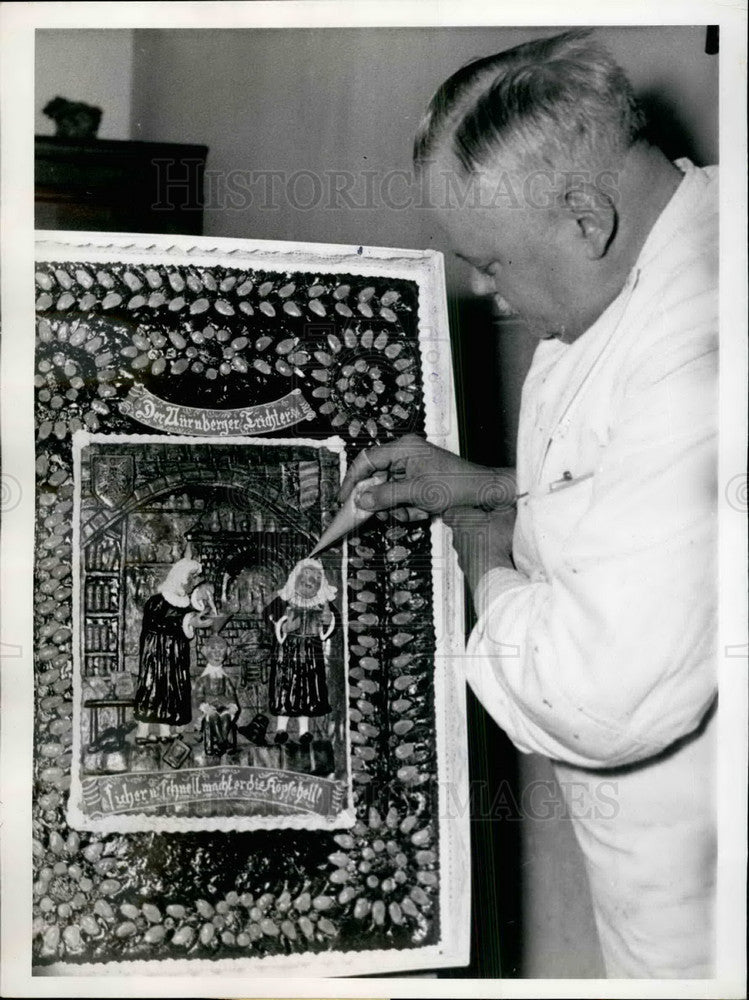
{"x": 349, "y": 100}
{"x": 93, "y": 66}
{"x": 304, "y": 100}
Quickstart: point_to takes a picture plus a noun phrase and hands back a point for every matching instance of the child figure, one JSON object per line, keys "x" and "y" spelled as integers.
{"x": 217, "y": 699}
{"x": 298, "y": 686}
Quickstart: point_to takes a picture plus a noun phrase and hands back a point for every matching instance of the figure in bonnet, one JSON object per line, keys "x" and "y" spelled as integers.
{"x": 297, "y": 685}
{"x": 163, "y": 691}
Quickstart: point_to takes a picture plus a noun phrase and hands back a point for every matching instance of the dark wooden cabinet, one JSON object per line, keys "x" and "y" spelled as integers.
{"x": 119, "y": 186}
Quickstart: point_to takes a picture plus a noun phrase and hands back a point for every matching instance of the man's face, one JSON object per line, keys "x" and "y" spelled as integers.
{"x": 527, "y": 257}
{"x": 308, "y": 582}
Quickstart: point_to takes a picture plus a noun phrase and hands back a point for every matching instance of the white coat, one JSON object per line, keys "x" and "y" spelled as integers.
{"x": 598, "y": 650}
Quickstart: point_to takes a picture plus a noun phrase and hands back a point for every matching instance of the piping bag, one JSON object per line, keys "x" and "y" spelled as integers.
{"x": 350, "y": 515}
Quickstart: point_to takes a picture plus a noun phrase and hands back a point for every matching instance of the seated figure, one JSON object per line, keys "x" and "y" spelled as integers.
{"x": 217, "y": 699}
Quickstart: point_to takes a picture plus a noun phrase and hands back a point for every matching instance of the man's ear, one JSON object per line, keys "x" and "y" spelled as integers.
{"x": 595, "y": 216}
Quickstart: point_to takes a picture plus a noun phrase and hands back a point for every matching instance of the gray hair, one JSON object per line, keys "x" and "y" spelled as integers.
{"x": 560, "y": 102}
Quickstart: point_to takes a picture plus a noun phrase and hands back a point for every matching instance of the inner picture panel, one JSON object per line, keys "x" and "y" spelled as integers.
{"x": 211, "y": 652}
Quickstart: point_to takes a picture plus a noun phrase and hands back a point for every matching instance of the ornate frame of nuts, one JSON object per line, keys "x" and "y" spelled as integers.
{"x": 218, "y": 323}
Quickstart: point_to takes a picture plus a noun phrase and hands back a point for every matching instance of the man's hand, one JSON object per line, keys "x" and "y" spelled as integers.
{"x": 482, "y": 540}
{"x": 424, "y": 479}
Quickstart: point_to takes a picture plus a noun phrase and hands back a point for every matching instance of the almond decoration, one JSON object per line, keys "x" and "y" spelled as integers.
{"x": 132, "y": 281}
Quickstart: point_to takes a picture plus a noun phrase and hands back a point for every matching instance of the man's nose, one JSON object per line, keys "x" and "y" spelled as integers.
{"x": 484, "y": 284}
{"x": 481, "y": 284}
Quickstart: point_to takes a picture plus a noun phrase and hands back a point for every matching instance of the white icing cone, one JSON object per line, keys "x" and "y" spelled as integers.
{"x": 350, "y": 515}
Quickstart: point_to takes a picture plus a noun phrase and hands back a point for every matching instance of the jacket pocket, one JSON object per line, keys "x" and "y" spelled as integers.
{"x": 554, "y": 515}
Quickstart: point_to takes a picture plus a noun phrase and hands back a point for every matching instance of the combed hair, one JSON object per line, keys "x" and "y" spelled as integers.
{"x": 560, "y": 102}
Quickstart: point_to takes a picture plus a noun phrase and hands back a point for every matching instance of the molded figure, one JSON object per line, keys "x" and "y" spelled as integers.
{"x": 298, "y": 686}
{"x": 163, "y": 692}
{"x": 217, "y": 696}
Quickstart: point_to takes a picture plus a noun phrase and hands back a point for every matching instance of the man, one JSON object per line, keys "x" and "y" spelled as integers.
{"x": 596, "y": 603}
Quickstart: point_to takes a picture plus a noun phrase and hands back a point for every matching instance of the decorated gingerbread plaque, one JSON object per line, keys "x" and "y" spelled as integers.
{"x": 249, "y": 747}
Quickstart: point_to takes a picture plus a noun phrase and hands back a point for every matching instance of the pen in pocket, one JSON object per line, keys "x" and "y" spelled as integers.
{"x": 566, "y": 480}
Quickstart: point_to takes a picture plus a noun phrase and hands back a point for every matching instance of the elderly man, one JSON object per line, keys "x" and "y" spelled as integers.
{"x": 595, "y": 585}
